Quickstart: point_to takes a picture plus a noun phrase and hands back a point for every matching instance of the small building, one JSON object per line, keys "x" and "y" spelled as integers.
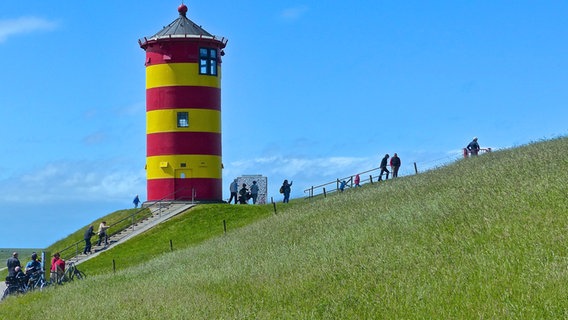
{"x": 262, "y": 185}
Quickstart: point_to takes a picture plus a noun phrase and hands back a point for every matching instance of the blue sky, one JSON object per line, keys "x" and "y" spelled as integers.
{"x": 311, "y": 90}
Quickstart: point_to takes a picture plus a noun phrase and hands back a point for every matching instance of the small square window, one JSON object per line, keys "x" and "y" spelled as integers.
{"x": 182, "y": 119}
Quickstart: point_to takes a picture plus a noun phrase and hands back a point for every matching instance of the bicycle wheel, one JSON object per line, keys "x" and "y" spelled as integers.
{"x": 80, "y": 275}
{"x": 6, "y": 293}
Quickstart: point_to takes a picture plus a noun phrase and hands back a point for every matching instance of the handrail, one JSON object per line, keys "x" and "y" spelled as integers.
{"x": 363, "y": 180}
{"x": 165, "y": 199}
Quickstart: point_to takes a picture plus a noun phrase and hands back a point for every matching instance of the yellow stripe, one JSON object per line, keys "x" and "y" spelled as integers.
{"x": 200, "y": 120}
{"x": 179, "y": 74}
{"x": 196, "y": 166}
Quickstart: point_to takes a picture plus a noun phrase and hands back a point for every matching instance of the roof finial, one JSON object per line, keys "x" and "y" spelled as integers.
{"x": 182, "y": 9}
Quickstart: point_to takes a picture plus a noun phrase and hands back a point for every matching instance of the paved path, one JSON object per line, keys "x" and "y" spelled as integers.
{"x": 159, "y": 215}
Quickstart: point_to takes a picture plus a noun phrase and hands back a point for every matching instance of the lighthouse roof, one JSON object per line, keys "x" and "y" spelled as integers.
{"x": 182, "y": 26}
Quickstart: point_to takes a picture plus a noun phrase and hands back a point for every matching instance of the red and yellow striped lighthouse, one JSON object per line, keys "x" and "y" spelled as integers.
{"x": 183, "y": 112}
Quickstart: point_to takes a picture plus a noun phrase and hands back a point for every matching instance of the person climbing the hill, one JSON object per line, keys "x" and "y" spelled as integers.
{"x": 136, "y": 201}
{"x": 383, "y": 167}
{"x": 473, "y": 147}
{"x": 103, "y": 233}
{"x": 357, "y": 181}
{"x": 395, "y": 165}
{"x": 233, "y": 188}
{"x": 342, "y": 185}
{"x": 87, "y": 237}
{"x": 286, "y": 189}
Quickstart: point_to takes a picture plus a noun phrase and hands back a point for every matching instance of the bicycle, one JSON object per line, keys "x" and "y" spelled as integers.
{"x": 73, "y": 273}
{"x": 37, "y": 281}
{"x": 15, "y": 285}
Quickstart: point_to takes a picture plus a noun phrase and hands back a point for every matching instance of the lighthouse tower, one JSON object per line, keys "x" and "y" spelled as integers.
{"x": 183, "y": 112}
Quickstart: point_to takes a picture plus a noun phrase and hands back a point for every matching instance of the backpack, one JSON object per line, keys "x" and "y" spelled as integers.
{"x": 282, "y": 189}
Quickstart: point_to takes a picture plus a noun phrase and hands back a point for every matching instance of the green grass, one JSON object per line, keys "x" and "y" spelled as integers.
{"x": 484, "y": 237}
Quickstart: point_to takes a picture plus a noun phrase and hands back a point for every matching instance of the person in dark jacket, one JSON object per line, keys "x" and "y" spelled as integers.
{"x": 88, "y": 234}
{"x": 244, "y": 194}
{"x": 395, "y": 165}
{"x": 136, "y": 201}
{"x": 383, "y": 167}
{"x": 473, "y": 147}
{"x": 234, "y": 189}
{"x": 12, "y": 263}
{"x": 286, "y": 189}
{"x": 254, "y": 192}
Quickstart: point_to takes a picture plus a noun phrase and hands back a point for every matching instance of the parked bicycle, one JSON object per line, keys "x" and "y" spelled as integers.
{"x": 73, "y": 273}
{"x": 37, "y": 280}
{"x": 15, "y": 285}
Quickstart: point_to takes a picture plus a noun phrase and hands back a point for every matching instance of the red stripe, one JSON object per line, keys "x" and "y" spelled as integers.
{"x": 183, "y": 97}
{"x": 176, "y": 51}
{"x": 206, "y": 189}
{"x": 168, "y": 143}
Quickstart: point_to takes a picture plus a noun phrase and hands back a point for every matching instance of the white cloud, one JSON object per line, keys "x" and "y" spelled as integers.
{"x": 24, "y": 25}
{"x": 73, "y": 182}
{"x": 294, "y": 13}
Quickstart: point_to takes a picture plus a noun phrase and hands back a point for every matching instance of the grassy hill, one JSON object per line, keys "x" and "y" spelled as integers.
{"x": 484, "y": 237}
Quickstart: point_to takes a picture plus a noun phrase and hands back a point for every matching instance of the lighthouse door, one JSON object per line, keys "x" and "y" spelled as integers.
{"x": 183, "y": 185}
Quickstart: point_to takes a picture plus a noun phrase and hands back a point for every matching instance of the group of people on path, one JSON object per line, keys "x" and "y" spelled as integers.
{"x": 394, "y": 164}
{"x": 244, "y": 194}
{"x": 89, "y": 233}
{"x": 57, "y": 269}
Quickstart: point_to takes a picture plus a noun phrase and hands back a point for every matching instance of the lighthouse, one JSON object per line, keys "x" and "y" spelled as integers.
{"x": 183, "y": 112}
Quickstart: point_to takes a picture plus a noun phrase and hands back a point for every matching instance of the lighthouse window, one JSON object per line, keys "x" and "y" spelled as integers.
{"x": 208, "y": 61}
{"x": 182, "y": 119}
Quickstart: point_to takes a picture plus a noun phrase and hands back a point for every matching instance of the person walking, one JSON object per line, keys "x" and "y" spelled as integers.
{"x": 383, "y": 167}
{"x": 395, "y": 165}
{"x": 342, "y": 185}
{"x": 233, "y": 188}
{"x": 286, "y": 189}
{"x": 87, "y": 237}
{"x": 103, "y": 233}
{"x": 136, "y": 201}
{"x": 12, "y": 263}
{"x": 254, "y": 192}
{"x": 357, "y": 180}
{"x": 473, "y": 147}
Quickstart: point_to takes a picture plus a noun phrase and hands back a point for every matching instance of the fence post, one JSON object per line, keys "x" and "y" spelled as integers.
{"x": 312, "y": 192}
{"x": 113, "y": 266}
{"x": 415, "y": 168}
{"x": 371, "y": 178}
{"x": 274, "y": 205}
{"x": 171, "y": 245}
{"x": 225, "y": 226}
{"x": 324, "y": 193}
